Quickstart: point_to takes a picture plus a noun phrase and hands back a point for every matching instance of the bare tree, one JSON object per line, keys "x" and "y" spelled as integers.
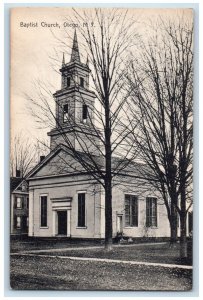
{"x": 23, "y": 155}
{"x": 161, "y": 82}
{"x": 107, "y": 38}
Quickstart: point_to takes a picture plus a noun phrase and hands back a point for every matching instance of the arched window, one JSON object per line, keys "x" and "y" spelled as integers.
{"x": 65, "y": 113}
{"x": 68, "y": 81}
{"x": 81, "y": 82}
{"x": 84, "y": 113}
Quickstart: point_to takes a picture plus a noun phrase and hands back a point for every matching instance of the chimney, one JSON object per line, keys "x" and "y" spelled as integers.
{"x": 18, "y": 173}
{"x": 42, "y": 157}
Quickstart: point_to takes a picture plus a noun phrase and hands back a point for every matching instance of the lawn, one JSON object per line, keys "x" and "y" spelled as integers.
{"x": 157, "y": 253}
{"x": 48, "y": 273}
{"x": 19, "y": 244}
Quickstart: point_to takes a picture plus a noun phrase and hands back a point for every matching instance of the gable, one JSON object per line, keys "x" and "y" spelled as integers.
{"x": 18, "y": 185}
{"x": 55, "y": 164}
{"x": 14, "y": 182}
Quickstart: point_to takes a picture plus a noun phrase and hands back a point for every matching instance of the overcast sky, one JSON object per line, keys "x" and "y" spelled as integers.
{"x": 31, "y": 49}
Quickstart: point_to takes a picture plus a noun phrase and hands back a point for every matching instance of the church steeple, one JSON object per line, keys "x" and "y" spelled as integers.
{"x": 63, "y": 60}
{"x": 75, "y": 55}
{"x": 87, "y": 62}
{"x": 75, "y": 105}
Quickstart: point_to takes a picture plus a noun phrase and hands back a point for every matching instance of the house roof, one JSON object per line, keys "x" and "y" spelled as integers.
{"x": 14, "y": 182}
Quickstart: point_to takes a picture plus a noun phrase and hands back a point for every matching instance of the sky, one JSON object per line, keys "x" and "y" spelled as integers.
{"x": 34, "y": 51}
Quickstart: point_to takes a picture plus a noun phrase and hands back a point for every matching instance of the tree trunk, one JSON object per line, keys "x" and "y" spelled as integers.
{"x": 108, "y": 215}
{"x": 108, "y": 178}
{"x": 183, "y": 237}
{"x": 183, "y": 215}
{"x": 173, "y": 238}
{"x": 173, "y": 225}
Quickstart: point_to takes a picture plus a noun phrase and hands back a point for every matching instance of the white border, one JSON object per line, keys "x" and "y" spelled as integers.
{"x": 4, "y": 162}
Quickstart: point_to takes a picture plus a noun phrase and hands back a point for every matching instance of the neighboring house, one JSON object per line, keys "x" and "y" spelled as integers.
{"x": 66, "y": 202}
{"x": 19, "y": 206}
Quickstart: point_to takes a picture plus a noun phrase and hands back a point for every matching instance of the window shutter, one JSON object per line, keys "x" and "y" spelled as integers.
{"x": 44, "y": 211}
{"x": 81, "y": 210}
{"x": 147, "y": 212}
{"x": 15, "y": 202}
{"x": 134, "y": 209}
{"x": 155, "y": 212}
{"x": 151, "y": 211}
{"x": 127, "y": 210}
{"x": 15, "y": 222}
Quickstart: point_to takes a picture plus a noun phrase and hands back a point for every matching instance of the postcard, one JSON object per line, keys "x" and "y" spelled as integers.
{"x": 101, "y": 159}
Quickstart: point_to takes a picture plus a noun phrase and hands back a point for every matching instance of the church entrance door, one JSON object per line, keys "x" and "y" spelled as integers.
{"x": 62, "y": 222}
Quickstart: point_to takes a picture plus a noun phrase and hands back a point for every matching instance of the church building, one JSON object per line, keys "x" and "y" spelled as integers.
{"x": 64, "y": 199}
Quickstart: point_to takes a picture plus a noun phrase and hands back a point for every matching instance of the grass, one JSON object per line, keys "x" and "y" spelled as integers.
{"x": 18, "y": 245}
{"x": 40, "y": 273}
{"x": 157, "y": 253}
{"x": 54, "y": 273}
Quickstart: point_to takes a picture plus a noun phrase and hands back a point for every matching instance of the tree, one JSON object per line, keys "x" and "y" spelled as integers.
{"x": 107, "y": 37}
{"x": 161, "y": 82}
{"x": 23, "y": 155}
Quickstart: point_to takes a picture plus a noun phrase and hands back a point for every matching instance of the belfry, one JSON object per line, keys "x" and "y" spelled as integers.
{"x": 75, "y": 106}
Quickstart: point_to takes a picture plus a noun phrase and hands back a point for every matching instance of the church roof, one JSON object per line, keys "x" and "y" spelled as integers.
{"x": 68, "y": 164}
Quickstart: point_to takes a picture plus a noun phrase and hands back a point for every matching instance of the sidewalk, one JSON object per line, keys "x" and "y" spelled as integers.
{"x": 85, "y": 248}
{"x": 148, "y": 254}
{"x": 171, "y": 266}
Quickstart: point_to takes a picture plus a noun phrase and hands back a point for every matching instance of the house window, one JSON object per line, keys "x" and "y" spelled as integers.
{"x": 178, "y": 221}
{"x": 84, "y": 113}
{"x": 27, "y": 203}
{"x": 68, "y": 81}
{"x": 23, "y": 187}
{"x": 151, "y": 212}
{"x": 18, "y": 222}
{"x": 18, "y": 202}
{"x": 131, "y": 211}
{"x": 81, "y": 82}
{"x": 65, "y": 113}
{"x": 43, "y": 211}
{"x": 81, "y": 210}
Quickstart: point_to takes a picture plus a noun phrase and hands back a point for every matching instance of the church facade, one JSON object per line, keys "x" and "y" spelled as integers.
{"x": 67, "y": 201}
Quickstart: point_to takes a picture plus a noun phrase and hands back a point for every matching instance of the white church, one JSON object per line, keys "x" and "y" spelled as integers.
{"x": 64, "y": 202}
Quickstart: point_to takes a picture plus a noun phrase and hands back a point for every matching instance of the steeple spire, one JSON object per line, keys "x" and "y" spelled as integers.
{"x": 75, "y": 55}
{"x": 63, "y": 60}
{"x": 87, "y": 62}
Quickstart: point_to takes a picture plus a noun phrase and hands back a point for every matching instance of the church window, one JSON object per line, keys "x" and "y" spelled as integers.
{"x": 43, "y": 211}
{"x": 84, "y": 113}
{"x": 68, "y": 81}
{"x": 65, "y": 112}
{"x": 131, "y": 211}
{"x": 151, "y": 212}
{"x": 81, "y": 82}
{"x": 81, "y": 210}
